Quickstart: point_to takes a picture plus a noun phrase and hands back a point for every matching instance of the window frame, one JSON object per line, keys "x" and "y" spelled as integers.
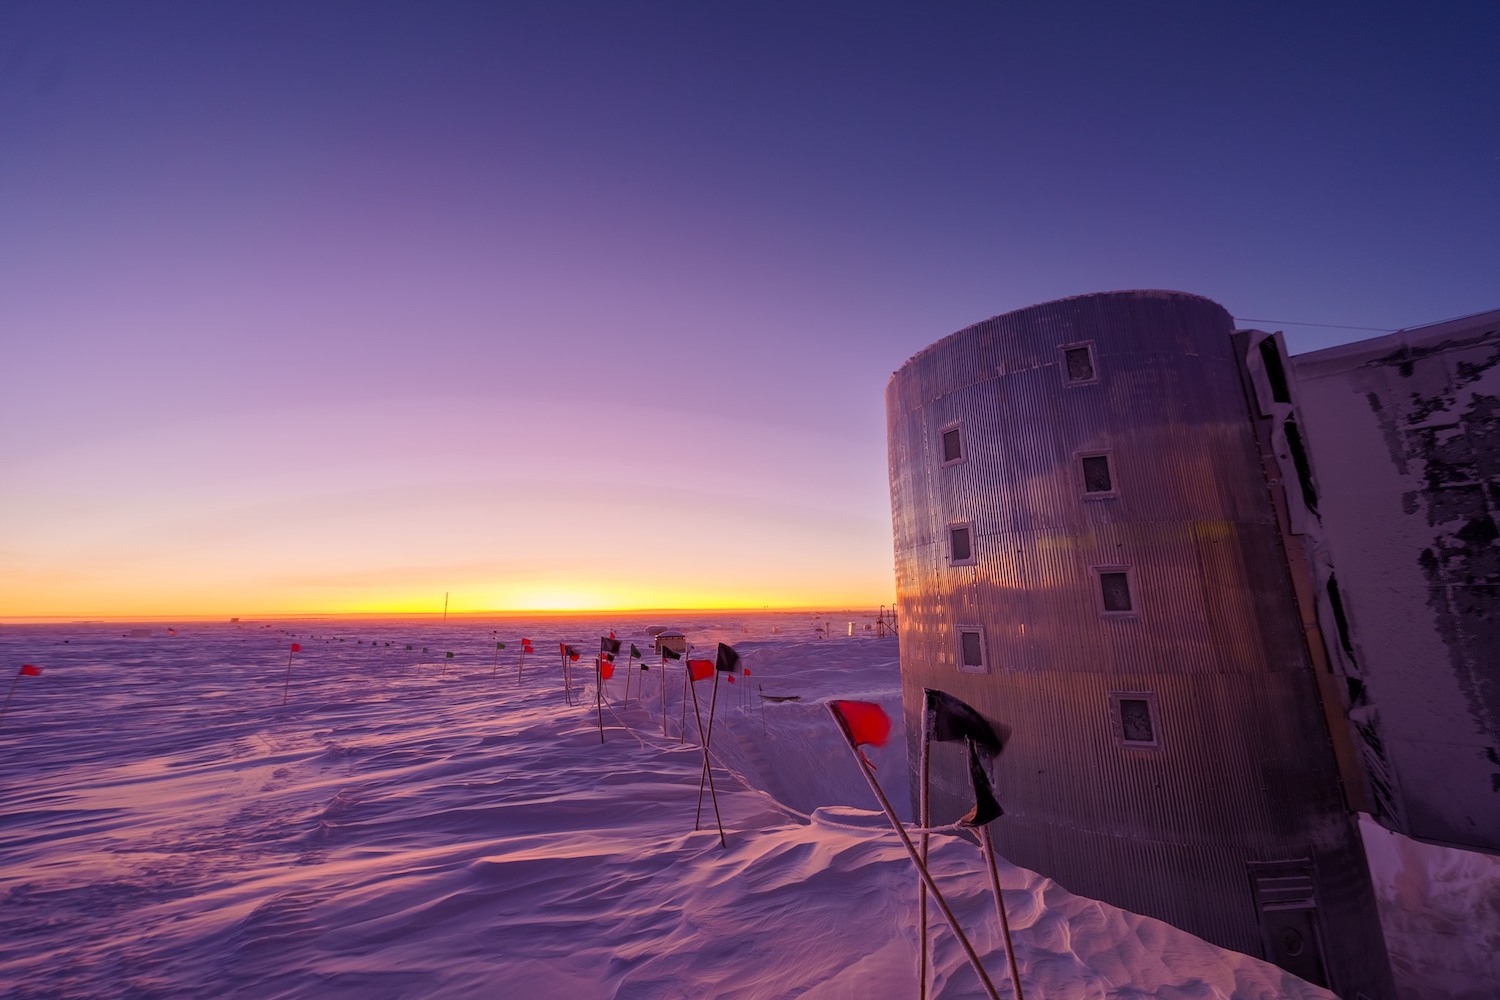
{"x": 1117, "y": 723}
{"x": 963, "y": 452}
{"x": 968, "y": 528}
{"x": 959, "y": 631}
{"x": 1130, "y": 585}
{"x": 1087, "y": 345}
{"x": 1083, "y": 481}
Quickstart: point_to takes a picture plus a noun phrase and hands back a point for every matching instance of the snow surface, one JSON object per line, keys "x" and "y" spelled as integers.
{"x": 419, "y": 826}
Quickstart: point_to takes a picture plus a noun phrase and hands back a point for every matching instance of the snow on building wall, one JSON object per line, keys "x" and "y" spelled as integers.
{"x": 1403, "y": 442}
{"x": 1087, "y": 553}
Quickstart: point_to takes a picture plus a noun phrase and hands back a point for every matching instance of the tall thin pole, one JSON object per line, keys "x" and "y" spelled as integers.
{"x": 925, "y": 818}
{"x": 629, "y": 665}
{"x": 686, "y": 673}
{"x": 445, "y": 607}
{"x": 288, "y": 686}
{"x": 664, "y": 694}
{"x": 599, "y": 693}
{"x": 703, "y": 739}
{"x": 1010, "y": 946}
{"x": 10, "y": 694}
{"x": 911, "y": 850}
{"x": 703, "y": 776}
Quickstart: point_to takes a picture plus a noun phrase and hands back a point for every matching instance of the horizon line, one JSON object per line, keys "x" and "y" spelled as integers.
{"x": 439, "y": 615}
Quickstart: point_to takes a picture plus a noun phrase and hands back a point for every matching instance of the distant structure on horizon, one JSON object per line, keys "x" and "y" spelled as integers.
{"x": 1222, "y": 599}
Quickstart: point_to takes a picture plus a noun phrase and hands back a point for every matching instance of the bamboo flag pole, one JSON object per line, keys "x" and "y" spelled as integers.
{"x": 1010, "y": 946}
{"x": 286, "y": 689}
{"x": 27, "y": 670}
{"x": 712, "y": 794}
{"x": 704, "y": 775}
{"x": 599, "y": 692}
{"x": 629, "y": 666}
{"x": 911, "y": 850}
{"x": 664, "y": 694}
{"x": 925, "y": 818}
{"x": 686, "y": 671}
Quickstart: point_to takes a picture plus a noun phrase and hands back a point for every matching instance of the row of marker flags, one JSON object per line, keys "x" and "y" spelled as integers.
{"x": 946, "y": 719}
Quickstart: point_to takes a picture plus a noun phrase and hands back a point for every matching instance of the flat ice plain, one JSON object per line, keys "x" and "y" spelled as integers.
{"x": 414, "y": 825}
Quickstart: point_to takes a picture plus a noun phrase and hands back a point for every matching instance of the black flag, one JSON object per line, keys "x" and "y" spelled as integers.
{"x": 610, "y": 646}
{"x": 728, "y": 661}
{"x": 668, "y": 653}
{"x": 950, "y": 720}
{"x": 986, "y": 808}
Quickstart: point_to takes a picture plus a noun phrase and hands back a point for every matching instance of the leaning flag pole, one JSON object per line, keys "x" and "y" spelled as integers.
{"x": 703, "y": 740}
{"x": 598, "y": 692}
{"x": 726, "y": 661}
{"x": 27, "y": 670}
{"x": 911, "y": 850}
{"x": 924, "y": 817}
{"x": 629, "y": 665}
{"x": 706, "y": 774}
{"x": 1010, "y": 946}
{"x": 288, "y": 686}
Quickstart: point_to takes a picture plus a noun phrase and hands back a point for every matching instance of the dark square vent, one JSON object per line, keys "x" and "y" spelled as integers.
{"x": 1080, "y": 362}
{"x": 1135, "y": 721}
{"x": 958, "y": 545}
{"x": 1115, "y": 588}
{"x": 952, "y": 447}
{"x": 1096, "y": 478}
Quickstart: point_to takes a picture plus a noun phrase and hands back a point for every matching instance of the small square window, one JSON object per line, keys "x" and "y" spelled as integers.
{"x": 1135, "y": 719}
{"x": 1116, "y": 591}
{"x": 1078, "y": 364}
{"x": 960, "y": 551}
{"x": 953, "y": 450}
{"x": 1096, "y": 475}
{"x": 971, "y": 652}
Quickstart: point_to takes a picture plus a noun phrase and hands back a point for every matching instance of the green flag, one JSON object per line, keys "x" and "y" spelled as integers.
{"x": 450, "y": 654}
{"x": 499, "y": 645}
{"x": 635, "y": 652}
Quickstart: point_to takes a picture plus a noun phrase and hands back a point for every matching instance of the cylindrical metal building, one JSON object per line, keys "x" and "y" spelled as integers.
{"x": 1087, "y": 553}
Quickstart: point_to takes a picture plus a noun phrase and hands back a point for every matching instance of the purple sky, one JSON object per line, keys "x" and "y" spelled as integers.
{"x": 342, "y": 306}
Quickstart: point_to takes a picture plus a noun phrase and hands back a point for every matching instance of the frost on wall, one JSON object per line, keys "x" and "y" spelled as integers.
{"x": 1404, "y": 437}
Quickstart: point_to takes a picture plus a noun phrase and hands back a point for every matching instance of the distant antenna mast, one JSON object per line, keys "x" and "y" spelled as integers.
{"x": 445, "y": 607}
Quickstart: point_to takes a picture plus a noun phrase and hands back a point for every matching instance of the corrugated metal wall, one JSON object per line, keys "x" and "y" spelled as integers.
{"x": 1241, "y": 770}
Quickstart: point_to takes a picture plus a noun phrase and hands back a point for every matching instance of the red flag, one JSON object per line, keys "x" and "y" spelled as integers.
{"x": 607, "y": 670}
{"x": 27, "y": 670}
{"x": 730, "y": 678}
{"x": 296, "y": 647}
{"x": 701, "y": 669}
{"x": 865, "y": 720}
{"x": 747, "y": 671}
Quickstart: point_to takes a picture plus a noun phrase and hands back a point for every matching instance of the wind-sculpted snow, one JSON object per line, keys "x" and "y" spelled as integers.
{"x": 411, "y": 826}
